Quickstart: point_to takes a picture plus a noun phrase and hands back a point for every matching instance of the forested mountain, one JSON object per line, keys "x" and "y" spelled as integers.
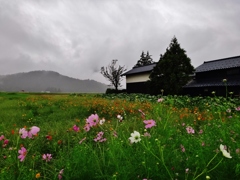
{"x": 39, "y": 81}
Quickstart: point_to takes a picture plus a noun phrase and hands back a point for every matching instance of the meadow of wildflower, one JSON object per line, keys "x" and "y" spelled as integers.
{"x": 100, "y": 136}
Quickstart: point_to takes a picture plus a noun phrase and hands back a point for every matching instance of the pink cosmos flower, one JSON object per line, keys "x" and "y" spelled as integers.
{"x": 201, "y": 131}
{"x": 60, "y": 174}
{"x": 99, "y": 137}
{"x": 76, "y": 128}
{"x": 146, "y": 134}
{"x": 47, "y": 157}
{"x": 142, "y": 113}
{"x": 149, "y": 123}
{"x": 33, "y": 131}
{"x": 61, "y": 171}
{"x": 93, "y": 120}
{"x": 190, "y": 130}
{"x": 103, "y": 139}
{"x": 182, "y": 147}
{"x": 23, "y": 132}
{"x": 2, "y": 137}
{"x": 87, "y": 127}
{"x": 160, "y": 100}
{"x": 237, "y": 108}
{"x": 23, "y": 153}
{"x": 115, "y": 134}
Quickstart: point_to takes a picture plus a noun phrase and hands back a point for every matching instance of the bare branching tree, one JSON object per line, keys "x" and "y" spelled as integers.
{"x": 113, "y": 73}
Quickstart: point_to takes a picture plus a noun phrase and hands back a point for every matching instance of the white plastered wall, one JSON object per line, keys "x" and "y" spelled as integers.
{"x": 137, "y": 78}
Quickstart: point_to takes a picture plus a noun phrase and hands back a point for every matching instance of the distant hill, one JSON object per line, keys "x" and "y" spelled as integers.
{"x": 39, "y": 81}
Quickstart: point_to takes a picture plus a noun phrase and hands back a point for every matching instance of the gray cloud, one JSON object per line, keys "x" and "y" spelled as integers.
{"x": 76, "y": 38}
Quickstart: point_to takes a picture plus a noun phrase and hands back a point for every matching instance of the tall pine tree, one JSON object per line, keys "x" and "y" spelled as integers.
{"x": 144, "y": 60}
{"x": 172, "y": 71}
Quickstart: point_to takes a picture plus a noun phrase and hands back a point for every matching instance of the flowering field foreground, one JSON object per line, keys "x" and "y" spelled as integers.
{"x": 118, "y": 137}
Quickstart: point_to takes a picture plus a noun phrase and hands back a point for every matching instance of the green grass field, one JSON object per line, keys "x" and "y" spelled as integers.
{"x": 82, "y": 136}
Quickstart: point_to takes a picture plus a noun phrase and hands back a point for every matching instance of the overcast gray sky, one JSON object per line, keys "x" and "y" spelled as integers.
{"x": 77, "y": 37}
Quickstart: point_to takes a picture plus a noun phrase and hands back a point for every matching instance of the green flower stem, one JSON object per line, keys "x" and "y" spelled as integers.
{"x": 205, "y": 169}
{"x": 160, "y": 159}
{"x": 212, "y": 159}
{"x": 168, "y": 117}
{"x": 98, "y": 163}
{"x": 226, "y": 89}
{"x": 215, "y": 166}
{"x": 17, "y": 150}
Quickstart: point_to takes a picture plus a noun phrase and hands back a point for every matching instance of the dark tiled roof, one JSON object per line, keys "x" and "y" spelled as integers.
{"x": 225, "y": 63}
{"x": 212, "y": 82}
{"x": 142, "y": 69}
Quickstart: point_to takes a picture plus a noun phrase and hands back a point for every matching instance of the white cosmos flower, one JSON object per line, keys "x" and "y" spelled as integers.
{"x": 135, "y": 137}
{"x": 222, "y": 147}
{"x": 119, "y": 117}
{"x": 224, "y": 152}
{"x": 102, "y": 121}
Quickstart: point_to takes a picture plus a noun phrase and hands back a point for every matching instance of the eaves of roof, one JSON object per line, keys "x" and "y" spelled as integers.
{"x": 231, "y": 62}
{"x": 212, "y": 83}
{"x": 142, "y": 69}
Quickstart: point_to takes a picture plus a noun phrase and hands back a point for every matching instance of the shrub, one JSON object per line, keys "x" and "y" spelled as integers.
{"x": 115, "y": 91}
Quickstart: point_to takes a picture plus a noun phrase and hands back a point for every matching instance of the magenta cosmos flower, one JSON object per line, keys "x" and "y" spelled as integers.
{"x": 76, "y": 128}
{"x": 5, "y": 143}
{"x": 93, "y": 120}
{"x": 33, "y": 131}
{"x": 23, "y": 153}
{"x": 149, "y": 123}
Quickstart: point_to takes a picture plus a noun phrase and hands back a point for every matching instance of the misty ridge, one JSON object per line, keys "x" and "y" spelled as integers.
{"x": 48, "y": 81}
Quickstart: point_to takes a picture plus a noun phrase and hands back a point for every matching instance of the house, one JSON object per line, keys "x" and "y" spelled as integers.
{"x": 218, "y": 76}
{"x": 137, "y": 77}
